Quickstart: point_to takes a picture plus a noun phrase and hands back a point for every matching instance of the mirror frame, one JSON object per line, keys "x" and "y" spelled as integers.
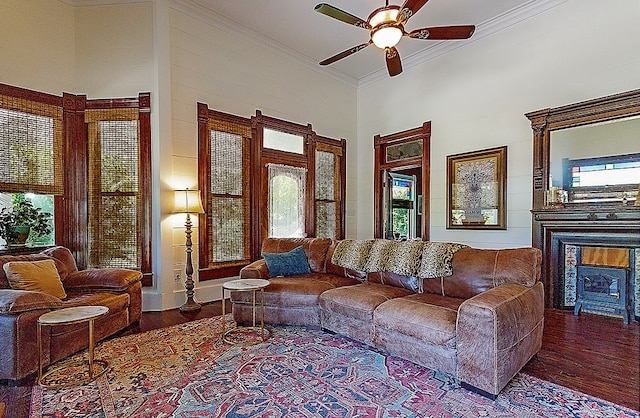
{"x": 545, "y": 121}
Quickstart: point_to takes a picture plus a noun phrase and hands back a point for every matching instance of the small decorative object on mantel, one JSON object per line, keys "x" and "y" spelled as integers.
{"x": 476, "y": 189}
{"x": 23, "y": 219}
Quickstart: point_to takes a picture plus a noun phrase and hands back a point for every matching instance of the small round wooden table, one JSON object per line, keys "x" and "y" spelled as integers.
{"x": 246, "y": 285}
{"x": 69, "y": 316}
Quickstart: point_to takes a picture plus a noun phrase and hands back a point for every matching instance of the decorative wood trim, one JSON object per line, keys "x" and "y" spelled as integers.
{"x": 146, "y": 185}
{"x": 601, "y": 219}
{"x": 380, "y": 144}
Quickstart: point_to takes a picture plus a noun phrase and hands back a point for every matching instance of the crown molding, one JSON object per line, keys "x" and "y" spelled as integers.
{"x": 200, "y": 12}
{"x": 196, "y": 10}
{"x": 484, "y": 29}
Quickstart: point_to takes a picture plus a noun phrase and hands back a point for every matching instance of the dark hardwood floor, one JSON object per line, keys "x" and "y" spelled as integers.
{"x": 593, "y": 354}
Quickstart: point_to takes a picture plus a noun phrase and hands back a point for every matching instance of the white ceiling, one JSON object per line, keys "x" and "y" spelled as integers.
{"x": 294, "y": 27}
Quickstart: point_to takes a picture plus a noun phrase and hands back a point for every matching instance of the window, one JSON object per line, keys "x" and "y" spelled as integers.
{"x": 113, "y": 187}
{"x": 93, "y": 171}
{"x": 263, "y": 177}
{"x": 224, "y": 177}
{"x": 286, "y": 205}
{"x": 330, "y": 186}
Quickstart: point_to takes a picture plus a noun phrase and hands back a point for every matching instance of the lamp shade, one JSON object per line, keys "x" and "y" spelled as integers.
{"x": 187, "y": 201}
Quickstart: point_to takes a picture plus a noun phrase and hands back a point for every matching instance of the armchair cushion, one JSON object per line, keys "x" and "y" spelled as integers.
{"x": 41, "y": 276}
{"x": 17, "y": 301}
{"x": 111, "y": 279}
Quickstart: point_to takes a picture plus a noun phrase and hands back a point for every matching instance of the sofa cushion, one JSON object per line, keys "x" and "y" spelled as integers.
{"x": 314, "y": 248}
{"x": 392, "y": 279}
{"x": 427, "y": 317}
{"x": 295, "y": 291}
{"x": 352, "y": 254}
{"x": 359, "y": 301}
{"x": 289, "y": 263}
{"x": 16, "y": 301}
{"x": 402, "y": 257}
{"x": 476, "y": 271}
{"x": 63, "y": 257}
{"x": 4, "y": 284}
{"x": 40, "y": 276}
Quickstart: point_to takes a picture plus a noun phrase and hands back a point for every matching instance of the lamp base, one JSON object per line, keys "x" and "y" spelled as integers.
{"x": 190, "y": 306}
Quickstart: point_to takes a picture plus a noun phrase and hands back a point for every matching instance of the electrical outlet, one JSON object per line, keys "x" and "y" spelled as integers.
{"x": 177, "y": 274}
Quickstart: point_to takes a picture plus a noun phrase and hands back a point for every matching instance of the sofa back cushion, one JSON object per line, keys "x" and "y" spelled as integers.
{"x": 314, "y": 248}
{"x": 4, "y": 284}
{"x": 476, "y": 270}
{"x": 62, "y": 256}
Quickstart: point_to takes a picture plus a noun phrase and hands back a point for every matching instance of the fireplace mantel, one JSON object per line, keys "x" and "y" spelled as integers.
{"x": 607, "y": 226}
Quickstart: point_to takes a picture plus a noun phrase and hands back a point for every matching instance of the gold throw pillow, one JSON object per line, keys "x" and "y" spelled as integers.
{"x": 41, "y": 276}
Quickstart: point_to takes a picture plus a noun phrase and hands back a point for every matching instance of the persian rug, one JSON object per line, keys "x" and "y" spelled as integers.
{"x": 186, "y": 371}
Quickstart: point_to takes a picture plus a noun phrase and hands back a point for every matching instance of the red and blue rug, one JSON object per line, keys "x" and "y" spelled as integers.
{"x": 186, "y": 371}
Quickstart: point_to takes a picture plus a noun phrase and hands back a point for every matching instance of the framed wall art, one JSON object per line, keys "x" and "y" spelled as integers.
{"x": 477, "y": 189}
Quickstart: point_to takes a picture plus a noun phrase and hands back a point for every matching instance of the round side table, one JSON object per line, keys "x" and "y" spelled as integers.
{"x": 69, "y": 316}
{"x": 246, "y": 285}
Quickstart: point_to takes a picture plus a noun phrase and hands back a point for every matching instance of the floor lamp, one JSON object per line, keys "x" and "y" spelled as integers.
{"x": 188, "y": 201}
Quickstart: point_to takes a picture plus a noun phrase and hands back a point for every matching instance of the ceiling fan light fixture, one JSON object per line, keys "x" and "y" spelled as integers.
{"x": 388, "y": 14}
{"x": 386, "y": 36}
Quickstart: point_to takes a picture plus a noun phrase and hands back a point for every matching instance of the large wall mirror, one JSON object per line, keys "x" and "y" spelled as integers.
{"x": 588, "y": 151}
{"x": 401, "y": 184}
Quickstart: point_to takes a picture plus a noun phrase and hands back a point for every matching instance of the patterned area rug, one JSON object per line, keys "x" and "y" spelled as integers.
{"x": 186, "y": 371}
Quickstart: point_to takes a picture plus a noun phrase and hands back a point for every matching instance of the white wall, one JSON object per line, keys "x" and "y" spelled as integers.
{"x": 232, "y": 73}
{"x": 476, "y": 97}
{"x": 37, "y": 49}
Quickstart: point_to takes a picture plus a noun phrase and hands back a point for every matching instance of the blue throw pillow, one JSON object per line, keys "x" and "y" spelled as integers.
{"x": 287, "y": 264}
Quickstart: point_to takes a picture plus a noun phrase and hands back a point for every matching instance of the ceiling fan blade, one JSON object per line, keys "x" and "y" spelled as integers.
{"x": 394, "y": 65}
{"x": 344, "y": 54}
{"x": 443, "y": 32}
{"x": 334, "y": 12}
{"x": 409, "y": 8}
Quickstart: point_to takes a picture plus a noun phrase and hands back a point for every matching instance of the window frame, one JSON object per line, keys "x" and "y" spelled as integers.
{"x": 71, "y": 208}
{"x": 260, "y": 157}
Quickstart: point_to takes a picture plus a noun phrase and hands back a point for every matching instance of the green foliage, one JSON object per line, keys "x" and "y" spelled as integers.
{"x": 24, "y": 213}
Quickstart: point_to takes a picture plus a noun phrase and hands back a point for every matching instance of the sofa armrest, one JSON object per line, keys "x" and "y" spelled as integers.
{"x": 498, "y": 332}
{"x": 256, "y": 270}
{"x": 17, "y": 301}
{"x": 110, "y": 279}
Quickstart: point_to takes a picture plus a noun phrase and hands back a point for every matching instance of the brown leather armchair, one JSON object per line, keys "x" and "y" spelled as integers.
{"x": 118, "y": 289}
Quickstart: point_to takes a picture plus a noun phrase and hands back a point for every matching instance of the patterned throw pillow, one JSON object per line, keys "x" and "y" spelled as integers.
{"x": 437, "y": 258}
{"x": 41, "y": 276}
{"x": 289, "y": 263}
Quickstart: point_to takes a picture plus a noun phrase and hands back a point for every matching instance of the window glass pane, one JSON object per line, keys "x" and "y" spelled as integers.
{"x": 42, "y": 202}
{"x": 119, "y": 149}
{"x": 228, "y": 218}
{"x": 226, "y": 163}
{"x": 326, "y": 220}
{"x": 30, "y": 147}
{"x": 286, "y": 201}
{"x": 283, "y": 141}
{"x": 325, "y": 175}
{"x": 114, "y": 239}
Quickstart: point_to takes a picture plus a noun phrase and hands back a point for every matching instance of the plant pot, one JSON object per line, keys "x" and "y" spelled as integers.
{"x": 22, "y": 233}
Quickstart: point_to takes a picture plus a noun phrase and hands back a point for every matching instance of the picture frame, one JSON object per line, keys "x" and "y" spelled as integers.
{"x": 477, "y": 189}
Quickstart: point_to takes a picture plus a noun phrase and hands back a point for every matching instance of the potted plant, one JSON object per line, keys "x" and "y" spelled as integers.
{"x": 23, "y": 219}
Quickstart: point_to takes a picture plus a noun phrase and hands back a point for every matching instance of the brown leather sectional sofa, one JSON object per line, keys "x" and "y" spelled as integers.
{"x": 118, "y": 289}
{"x": 481, "y": 324}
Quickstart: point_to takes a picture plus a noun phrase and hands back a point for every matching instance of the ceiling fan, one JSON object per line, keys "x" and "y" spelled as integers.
{"x": 386, "y": 26}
